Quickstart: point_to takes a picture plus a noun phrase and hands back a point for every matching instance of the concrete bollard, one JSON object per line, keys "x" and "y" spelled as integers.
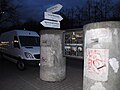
{"x": 102, "y": 56}
{"x": 52, "y": 63}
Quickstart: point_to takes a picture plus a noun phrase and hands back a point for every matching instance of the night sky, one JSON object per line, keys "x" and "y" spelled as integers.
{"x": 34, "y": 8}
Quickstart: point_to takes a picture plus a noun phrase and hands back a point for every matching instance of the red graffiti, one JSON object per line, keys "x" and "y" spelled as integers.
{"x": 96, "y": 60}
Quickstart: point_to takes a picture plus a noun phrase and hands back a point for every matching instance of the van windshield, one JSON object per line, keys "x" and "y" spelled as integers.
{"x": 29, "y": 41}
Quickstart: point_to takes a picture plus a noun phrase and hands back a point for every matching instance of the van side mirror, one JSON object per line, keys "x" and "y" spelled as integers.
{"x": 16, "y": 45}
{"x": 16, "y": 42}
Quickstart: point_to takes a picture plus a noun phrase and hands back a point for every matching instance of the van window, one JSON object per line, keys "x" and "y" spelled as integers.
{"x": 29, "y": 41}
{"x": 16, "y": 42}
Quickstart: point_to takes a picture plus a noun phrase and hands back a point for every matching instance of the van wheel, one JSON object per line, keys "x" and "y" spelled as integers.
{"x": 20, "y": 65}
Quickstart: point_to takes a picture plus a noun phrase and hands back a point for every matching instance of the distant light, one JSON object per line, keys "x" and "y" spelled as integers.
{"x": 73, "y": 33}
{"x": 16, "y": 41}
{"x": 2, "y": 12}
{"x": 4, "y": 42}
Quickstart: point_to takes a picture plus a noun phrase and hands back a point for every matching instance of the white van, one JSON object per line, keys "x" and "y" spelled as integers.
{"x": 20, "y": 46}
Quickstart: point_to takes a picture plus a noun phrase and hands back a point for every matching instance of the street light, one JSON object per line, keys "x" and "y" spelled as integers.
{"x": 2, "y": 12}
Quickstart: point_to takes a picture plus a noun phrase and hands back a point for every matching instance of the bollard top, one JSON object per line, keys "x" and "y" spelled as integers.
{"x": 105, "y": 24}
{"x": 51, "y": 31}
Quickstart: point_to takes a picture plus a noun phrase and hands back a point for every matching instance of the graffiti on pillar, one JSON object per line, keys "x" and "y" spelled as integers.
{"x": 43, "y": 59}
{"x": 96, "y": 66}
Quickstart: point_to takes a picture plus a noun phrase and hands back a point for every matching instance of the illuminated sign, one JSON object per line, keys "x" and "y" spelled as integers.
{"x": 73, "y": 44}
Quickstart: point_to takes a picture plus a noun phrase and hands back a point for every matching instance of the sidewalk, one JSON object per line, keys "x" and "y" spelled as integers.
{"x": 13, "y": 79}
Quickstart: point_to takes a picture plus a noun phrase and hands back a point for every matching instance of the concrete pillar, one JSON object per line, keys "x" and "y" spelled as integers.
{"x": 53, "y": 64}
{"x": 102, "y": 56}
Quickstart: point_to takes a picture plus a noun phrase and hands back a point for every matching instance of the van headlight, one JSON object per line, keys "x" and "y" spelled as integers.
{"x": 28, "y": 55}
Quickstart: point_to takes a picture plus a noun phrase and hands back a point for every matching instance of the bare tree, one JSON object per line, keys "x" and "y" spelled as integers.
{"x": 92, "y": 11}
{"x": 8, "y": 12}
{"x": 97, "y": 10}
{"x": 104, "y": 8}
{"x": 69, "y": 18}
{"x": 116, "y": 11}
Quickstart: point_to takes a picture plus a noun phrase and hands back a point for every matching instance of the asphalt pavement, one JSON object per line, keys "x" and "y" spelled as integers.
{"x": 13, "y": 79}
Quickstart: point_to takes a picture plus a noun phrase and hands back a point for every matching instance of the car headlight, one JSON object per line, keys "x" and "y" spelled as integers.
{"x": 28, "y": 55}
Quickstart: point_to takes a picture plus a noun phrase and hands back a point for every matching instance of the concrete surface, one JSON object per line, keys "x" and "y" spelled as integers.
{"x": 53, "y": 64}
{"x": 102, "y": 56}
